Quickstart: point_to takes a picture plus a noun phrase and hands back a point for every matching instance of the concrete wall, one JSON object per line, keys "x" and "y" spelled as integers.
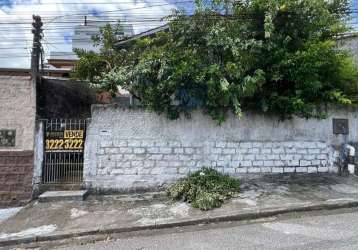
{"x": 135, "y": 149}
{"x": 350, "y": 43}
{"x": 17, "y": 112}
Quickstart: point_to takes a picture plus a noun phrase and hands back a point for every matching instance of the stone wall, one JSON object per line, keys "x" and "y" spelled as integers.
{"x": 135, "y": 149}
{"x": 18, "y": 113}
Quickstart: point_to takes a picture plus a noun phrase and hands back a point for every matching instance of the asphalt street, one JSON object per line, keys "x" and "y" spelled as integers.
{"x": 319, "y": 230}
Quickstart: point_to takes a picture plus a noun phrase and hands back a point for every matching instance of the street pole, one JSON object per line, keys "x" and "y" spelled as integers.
{"x": 36, "y": 46}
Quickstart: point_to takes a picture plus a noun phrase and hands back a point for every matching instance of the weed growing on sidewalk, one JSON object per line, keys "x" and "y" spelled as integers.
{"x": 205, "y": 189}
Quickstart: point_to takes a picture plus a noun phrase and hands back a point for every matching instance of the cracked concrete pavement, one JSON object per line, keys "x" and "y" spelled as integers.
{"x": 135, "y": 210}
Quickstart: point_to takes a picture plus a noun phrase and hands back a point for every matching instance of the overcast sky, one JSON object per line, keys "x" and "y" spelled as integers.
{"x": 60, "y": 16}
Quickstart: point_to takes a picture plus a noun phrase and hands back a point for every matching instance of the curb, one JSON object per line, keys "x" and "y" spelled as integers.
{"x": 207, "y": 220}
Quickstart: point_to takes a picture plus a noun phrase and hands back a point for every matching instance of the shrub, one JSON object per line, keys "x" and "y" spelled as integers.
{"x": 205, "y": 189}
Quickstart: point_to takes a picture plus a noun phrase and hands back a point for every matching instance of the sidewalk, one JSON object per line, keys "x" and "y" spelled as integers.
{"x": 266, "y": 196}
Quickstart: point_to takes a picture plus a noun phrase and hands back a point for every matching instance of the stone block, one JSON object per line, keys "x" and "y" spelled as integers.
{"x": 241, "y": 170}
{"x": 237, "y": 157}
{"x": 161, "y": 144}
{"x": 225, "y": 158}
{"x": 139, "y": 150}
{"x": 136, "y": 163}
{"x": 257, "y": 144}
{"x": 117, "y": 171}
{"x": 305, "y": 163}
{"x": 165, "y": 150}
{"x": 323, "y": 169}
{"x": 220, "y": 144}
{"x": 106, "y": 144}
{"x": 309, "y": 157}
{"x": 120, "y": 143}
{"x": 249, "y": 157}
{"x": 125, "y": 150}
{"x": 266, "y": 170}
{"x": 272, "y": 157}
{"x": 228, "y": 151}
{"x": 155, "y": 157}
{"x": 290, "y": 150}
{"x": 277, "y": 170}
{"x": 129, "y": 157}
{"x": 148, "y": 164}
{"x": 312, "y": 169}
{"x": 112, "y": 151}
{"x": 302, "y": 151}
{"x": 232, "y": 145}
{"x": 321, "y": 157}
{"x": 216, "y": 150}
{"x": 257, "y": 163}
{"x": 178, "y": 151}
{"x": 171, "y": 157}
{"x": 130, "y": 171}
{"x": 286, "y": 157}
{"x": 289, "y": 169}
{"x": 301, "y": 170}
{"x": 266, "y": 151}
{"x": 123, "y": 164}
{"x": 241, "y": 151}
{"x": 321, "y": 145}
{"x": 134, "y": 143}
{"x": 175, "y": 144}
{"x": 316, "y": 162}
{"x": 183, "y": 170}
{"x": 246, "y": 145}
{"x": 314, "y": 151}
{"x": 260, "y": 157}
{"x": 268, "y": 163}
{"x": 293, "y": 163}
{"x": 278, "y": 151}
{"x": 191, "y": 164}
{"x": 253, "y": 151}
{"x": 278, "y": 163}
{"x": 245, "y": 163}
{"x": 254, "y": 170}
{"x": 189, "y": 150}
{"x": 152, "y": 150}
{"x": 147, "y": 144}
{"x": 185, "y": 157}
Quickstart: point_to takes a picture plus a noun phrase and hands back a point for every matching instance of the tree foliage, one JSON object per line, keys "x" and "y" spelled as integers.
{"x": 275, "y": 56}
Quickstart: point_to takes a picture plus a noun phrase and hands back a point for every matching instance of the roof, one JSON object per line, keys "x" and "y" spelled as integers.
{"x": 58, "y": 55}
{"x": 143, "y": 34}
{"x": 27, "y": 70}
{"x": 14, "y": 78}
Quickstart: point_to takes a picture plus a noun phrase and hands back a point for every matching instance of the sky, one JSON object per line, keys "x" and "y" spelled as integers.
{"x": 61, "y": 16}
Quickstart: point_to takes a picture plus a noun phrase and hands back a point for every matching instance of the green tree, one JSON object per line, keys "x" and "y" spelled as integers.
{"x": 93, "y": 67}
{"x": 275, "y": 56}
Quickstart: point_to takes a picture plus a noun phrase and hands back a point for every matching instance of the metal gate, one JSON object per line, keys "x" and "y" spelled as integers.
{"x": 64, "y": 148}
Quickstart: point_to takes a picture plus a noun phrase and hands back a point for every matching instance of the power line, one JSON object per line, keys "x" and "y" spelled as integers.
{"x": 92, "y": 3}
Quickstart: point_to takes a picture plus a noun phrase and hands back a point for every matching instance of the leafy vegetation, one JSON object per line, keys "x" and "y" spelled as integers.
{"x": 205, "y": 189}
{"x": 274, "y": 56}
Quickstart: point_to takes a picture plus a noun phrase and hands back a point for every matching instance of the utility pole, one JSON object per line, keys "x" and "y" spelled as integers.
{"x": 36, "y": 46}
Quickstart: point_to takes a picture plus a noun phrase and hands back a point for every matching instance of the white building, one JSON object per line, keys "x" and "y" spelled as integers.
{"x": 82, "y": 39}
